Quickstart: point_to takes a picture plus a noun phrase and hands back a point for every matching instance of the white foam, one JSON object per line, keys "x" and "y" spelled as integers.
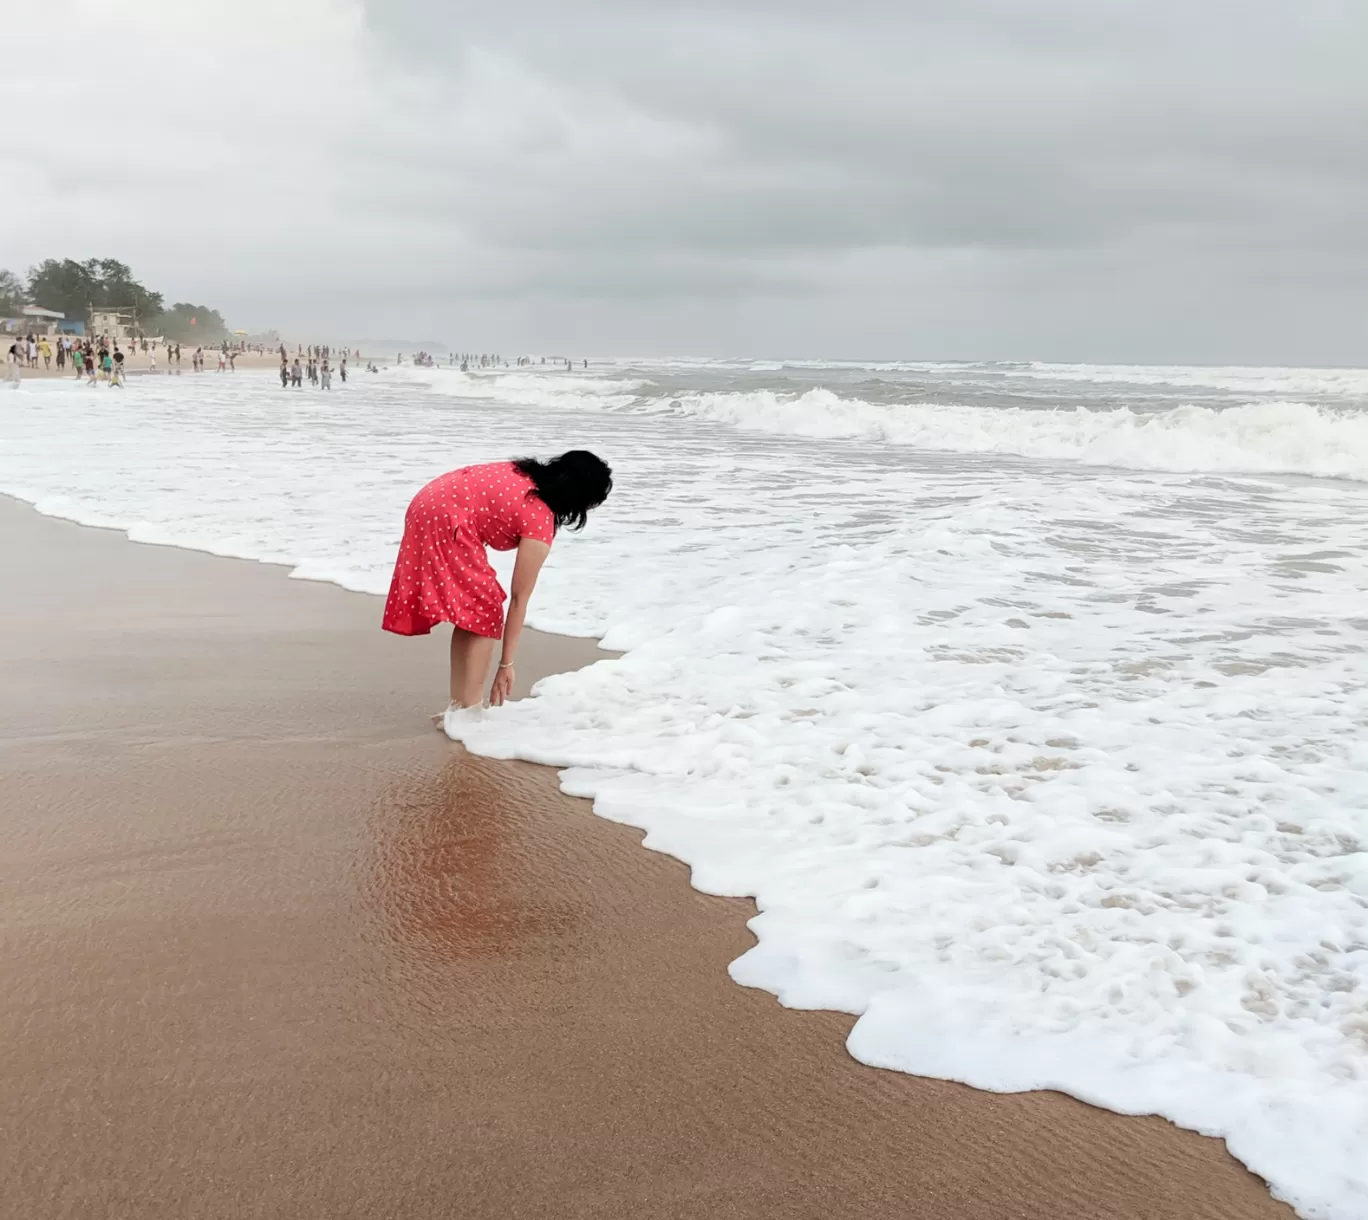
{"x": 564, "y": 390}
{"x": 1281, "y": 382}
{"x": 1053, "y": 774}
{"x": 1259, "y": 438}
{"x": 1269, "y": 436}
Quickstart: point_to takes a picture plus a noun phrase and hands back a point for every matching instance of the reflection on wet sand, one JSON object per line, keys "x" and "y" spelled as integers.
{"x": 450, "y": 849}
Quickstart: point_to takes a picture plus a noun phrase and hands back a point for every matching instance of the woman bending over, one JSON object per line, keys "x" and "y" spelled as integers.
{"x": 443, "y": 574}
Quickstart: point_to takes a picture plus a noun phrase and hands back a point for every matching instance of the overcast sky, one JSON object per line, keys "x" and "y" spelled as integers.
{"x": 1148, "y": 180}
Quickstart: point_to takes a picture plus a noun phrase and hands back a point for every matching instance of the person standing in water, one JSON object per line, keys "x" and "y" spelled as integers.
{"x": 325, "y": 372}
{"x": 342, "y": 368}
{"x": 296, "y": 374}
{"x": 443, "y": 574}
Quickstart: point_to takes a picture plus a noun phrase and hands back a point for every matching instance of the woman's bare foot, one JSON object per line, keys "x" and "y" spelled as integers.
{"x": 457, "y": 718}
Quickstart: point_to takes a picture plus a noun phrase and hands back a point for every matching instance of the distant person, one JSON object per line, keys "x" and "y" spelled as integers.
{"x": 284, "y": 373}
{"x": 296, "y": 374}
{"x": 342, "y": 368}
{"x": 106, "y": 365}
{"x": 45, "y": 350}
{"x": 151, "y": 360}
{"x": 443, "y": 574}
{"x": 222, "y": 360}
{"x": 61, "y": 355}
{"x": 325, "y": 372}
{"x": 14, "y": 362}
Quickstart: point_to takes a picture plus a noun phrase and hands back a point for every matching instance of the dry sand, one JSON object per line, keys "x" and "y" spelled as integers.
{"x": 274, "y": 948}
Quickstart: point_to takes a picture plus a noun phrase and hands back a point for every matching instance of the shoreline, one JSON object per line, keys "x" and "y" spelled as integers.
{"x": 283, "y": 950}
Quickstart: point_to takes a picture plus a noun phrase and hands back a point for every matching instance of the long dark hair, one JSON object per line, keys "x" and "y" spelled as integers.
{"x": 569, "y": 485}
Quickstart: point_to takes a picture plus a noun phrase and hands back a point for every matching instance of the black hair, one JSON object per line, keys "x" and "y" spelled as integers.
{"x": 569, "y": 485}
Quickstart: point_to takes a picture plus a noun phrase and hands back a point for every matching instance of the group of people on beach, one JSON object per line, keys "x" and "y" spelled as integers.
{"x": 97, "y": 360}
{"x": 28, "y": 349}
{"x": 226, "y": 358}
{"x": 317, "y": 367}
{"x": 102, "y": 358}
{"x": 467, "y": 361}
{"x": 525, "y": 362}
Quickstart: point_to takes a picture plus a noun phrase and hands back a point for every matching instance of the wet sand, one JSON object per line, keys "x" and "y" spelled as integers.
{"x": 274, "y": 948}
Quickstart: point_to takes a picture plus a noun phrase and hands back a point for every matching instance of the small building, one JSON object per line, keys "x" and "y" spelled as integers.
{"x": 120, "y": 325}
{"x": 35, "y": 320}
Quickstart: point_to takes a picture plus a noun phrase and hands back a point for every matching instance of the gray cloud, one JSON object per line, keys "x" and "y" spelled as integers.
{"x": 1082, "y": 179}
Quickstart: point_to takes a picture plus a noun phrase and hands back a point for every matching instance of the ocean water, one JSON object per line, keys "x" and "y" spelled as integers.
{"x": 1029, "y": 701}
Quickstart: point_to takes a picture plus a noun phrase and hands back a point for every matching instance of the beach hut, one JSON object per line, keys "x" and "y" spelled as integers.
{"x": 35, "y": 320}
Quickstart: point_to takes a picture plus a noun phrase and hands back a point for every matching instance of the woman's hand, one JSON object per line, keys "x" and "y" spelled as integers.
{"x": 503, "y": 686}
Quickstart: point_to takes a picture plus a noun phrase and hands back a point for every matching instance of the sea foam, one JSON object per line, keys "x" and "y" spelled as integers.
{"x": 1265, "y": 437}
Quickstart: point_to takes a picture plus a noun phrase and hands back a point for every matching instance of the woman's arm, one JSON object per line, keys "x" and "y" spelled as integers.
{"x": 531, "y": 555}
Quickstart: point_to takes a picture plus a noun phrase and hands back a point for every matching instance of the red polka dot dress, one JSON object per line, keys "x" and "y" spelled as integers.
{"x": 443, "y": 573}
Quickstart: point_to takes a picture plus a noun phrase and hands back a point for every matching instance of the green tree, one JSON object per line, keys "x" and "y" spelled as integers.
{"x": 118, "y": 287}
{"x": 74, "y": 287}
{"x": 11, "y": 293}
{"x": 186, "y": 323}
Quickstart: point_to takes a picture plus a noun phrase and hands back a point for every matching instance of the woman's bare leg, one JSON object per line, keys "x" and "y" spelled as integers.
{"x": 470, "y": 658}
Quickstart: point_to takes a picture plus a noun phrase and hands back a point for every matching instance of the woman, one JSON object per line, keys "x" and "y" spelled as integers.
{"x": 443, "y": 574}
